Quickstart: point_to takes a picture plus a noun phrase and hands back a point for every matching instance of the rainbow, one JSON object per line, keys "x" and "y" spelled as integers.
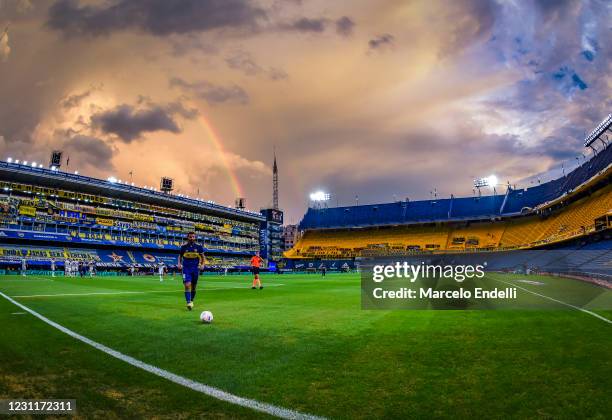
{"x": 218, "y": 144}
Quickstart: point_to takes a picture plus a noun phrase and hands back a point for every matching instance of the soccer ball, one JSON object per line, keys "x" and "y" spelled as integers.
{"x": 206, "y": 317}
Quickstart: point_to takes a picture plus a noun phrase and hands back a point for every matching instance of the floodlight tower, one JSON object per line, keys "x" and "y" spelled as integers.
{"x": 166, "y": 185}
{"x": 319, "y": 198}
{"x": 240, "y": 203}
{"x": 55, "y": 162}
{"x": 489, "y": 181}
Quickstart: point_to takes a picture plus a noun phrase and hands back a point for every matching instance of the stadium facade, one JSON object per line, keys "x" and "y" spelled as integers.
{"x": 572, "y": 211}
{"x": 47, "y": 214}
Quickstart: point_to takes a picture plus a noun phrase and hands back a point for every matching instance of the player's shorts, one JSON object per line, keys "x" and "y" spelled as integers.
{"x": 190, "y": 275}
{"x": 255, "y": 270}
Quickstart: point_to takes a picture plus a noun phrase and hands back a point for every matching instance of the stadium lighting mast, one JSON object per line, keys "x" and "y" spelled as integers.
{"x": 319, "y": 197}
{"x": 489, "y": 181}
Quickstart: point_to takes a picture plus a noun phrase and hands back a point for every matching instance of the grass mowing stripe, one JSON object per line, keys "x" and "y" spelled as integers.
{"x": 586, "y": 311}
{"x": 188, "y": 383}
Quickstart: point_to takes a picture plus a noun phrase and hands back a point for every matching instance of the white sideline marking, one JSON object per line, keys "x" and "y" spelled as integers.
{"x": 134, "y": 292}
{"x": 586, "y": 311}
{"x": 532, "y": 282}
{"x": 188, "y": 383}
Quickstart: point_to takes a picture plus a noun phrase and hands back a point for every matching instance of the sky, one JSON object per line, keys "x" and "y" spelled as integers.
{"x": 369, "y": 100}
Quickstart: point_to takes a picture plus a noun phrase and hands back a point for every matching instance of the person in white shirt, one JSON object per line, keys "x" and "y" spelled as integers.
{"x": 52, "y": 267}
{"x": 92, "y": 268}
{"x": 24, "y": 267}
{"x": 161, "y": 269}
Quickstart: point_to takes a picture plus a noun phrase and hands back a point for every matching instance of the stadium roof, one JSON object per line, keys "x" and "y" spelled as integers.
{"x": 16, "y": 172}
{"x": 598, "y": 131}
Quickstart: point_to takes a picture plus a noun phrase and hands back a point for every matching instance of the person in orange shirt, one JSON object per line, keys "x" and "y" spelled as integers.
{"x": 255, "y": 265}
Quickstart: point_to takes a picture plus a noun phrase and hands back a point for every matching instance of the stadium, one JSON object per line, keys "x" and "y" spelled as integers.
{"x": 571, "y": 212}
{"x": 556, "y": 233}
{"x": 239, "y": 129}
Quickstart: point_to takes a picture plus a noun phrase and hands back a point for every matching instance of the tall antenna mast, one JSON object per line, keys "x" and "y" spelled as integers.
{"x": 275, "y": 183}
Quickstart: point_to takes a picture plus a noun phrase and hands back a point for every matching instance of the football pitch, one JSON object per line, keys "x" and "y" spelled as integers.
{"x": 304, "y": 344}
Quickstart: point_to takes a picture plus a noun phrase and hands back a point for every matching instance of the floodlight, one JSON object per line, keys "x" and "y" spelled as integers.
{"x": 319, "y": 196}
{"x": 489, "y": 181}
{"x": 34, "y": 164}
{"x": 25, "y": 162}
{"x": 111, "y": 179}
{"x": 10, "y": 160}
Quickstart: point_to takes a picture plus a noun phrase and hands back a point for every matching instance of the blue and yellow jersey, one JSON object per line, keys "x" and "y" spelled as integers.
{"x": 191, "y": 255}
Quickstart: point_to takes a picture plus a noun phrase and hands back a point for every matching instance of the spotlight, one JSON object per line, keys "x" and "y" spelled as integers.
{"x": 320, "y": 196}
{"x": 489, "y": 181}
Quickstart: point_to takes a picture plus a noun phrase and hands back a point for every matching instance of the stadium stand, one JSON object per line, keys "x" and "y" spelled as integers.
{"x": 11, "y": 257}
{"x": 48, "y": 214}
{"x": 575, "y": 205}
{"x": 575, "y": 219}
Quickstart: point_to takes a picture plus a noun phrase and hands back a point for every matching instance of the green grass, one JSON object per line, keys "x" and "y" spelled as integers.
{"x": 302, "y": 343}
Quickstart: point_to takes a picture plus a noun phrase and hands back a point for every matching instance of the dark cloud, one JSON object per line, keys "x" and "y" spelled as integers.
{"x": 380, "y": 42}
{"x": 306, "y": 25}
{"x": 211, "y": 93}
{"x": 129, "y": 123}
{"x": 158, "y": 17}
{"x": 89, "y": 150}
{"x": 187, "y": 44}
{"x": 345, "y": 26}
{"x": 244, "y": 62}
